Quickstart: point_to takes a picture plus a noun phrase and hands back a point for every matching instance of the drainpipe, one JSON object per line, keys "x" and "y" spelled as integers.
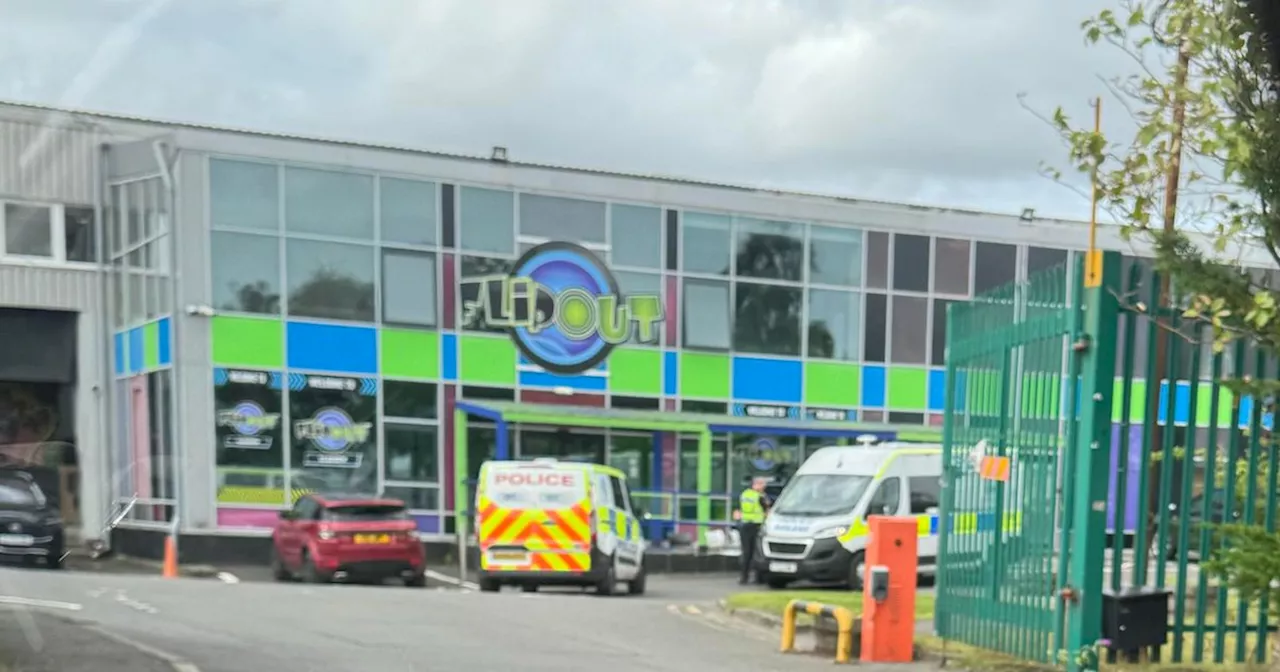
{"x": 106, "y": 389}
{"x": 160, "y": 149}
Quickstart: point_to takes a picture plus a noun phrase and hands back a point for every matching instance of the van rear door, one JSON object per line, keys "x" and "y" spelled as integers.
{"x": 534, "y": 517}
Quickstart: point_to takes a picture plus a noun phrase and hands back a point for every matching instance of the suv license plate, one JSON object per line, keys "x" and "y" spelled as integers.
{"x": 783, "y": 567}
{"x": 16, "y": 540}
{"x": 373, "y": 538}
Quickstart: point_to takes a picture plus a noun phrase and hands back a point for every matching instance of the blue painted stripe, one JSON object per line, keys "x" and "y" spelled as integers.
{"x": 760, "y": 379}
{"x": 937, "y": 389}
{"x": 121, "y": 355}
{"x": 332, "y": 347}
{"x": 579, "y": 382}
{"x": 873, "y": 386}
{"x": 449, "y": 357}
{"x": 670, "y": 373}
{"x": 164, "y": 329}
{"x": 136, "y": 348}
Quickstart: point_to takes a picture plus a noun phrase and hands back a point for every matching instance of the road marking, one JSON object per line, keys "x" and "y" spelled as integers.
{"x": 178, "y": 664}
{"x": 228, "y": 577}
{"x": 135, "y": 604}
{"x": 453, "y": 581}
{"x": 47, "y": 604}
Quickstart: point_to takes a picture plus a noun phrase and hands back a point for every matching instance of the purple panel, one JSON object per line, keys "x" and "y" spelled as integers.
{"x": 428, "y": 524}
{"x": 672, "y": 310}
{"x": 1132, "y": 449}
{"x": 259, "y": 518}
{"x": 450, "y": 395}
{"x": 449, "y": 291}
{"x": 669, "y": 462}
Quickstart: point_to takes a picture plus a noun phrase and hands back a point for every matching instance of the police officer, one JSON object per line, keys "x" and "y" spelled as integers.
{"x": 752, "y": 506}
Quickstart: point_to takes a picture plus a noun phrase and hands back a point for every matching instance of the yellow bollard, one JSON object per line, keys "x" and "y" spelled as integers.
{"x": 844, "y": 623}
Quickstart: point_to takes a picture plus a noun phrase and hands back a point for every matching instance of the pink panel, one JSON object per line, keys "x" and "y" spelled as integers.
{"x": 449, "y": 289}
{"x": 669, "y": 404}
{"x": 141, "y": 436}
{"x": 672, "y": 310}
{"x": 228, "y": 517}
{"x": 450, "y": 395}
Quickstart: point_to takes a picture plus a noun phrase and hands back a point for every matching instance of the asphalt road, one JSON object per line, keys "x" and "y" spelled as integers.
{"x": 251, "y": 626}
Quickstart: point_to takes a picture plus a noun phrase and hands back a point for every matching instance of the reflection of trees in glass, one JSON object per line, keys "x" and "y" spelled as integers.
{"x": 821, "y": 342}
{"x": 334, "y": 294}
{"x": 252, "y": 297}
{"x": 767, "y": 317}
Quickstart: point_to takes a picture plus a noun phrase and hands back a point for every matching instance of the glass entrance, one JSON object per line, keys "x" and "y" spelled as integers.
{"x": 567, "y": 445}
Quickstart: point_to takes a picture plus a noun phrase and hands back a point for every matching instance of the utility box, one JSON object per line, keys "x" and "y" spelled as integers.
{"x": 1135, "y": 618}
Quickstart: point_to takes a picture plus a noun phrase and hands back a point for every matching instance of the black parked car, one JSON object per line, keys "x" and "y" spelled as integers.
{"x": 30, "y": 526}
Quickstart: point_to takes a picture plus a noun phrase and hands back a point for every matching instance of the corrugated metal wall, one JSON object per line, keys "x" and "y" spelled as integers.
{"x": 49, "y": 163}
{"x": 79, "y": 291}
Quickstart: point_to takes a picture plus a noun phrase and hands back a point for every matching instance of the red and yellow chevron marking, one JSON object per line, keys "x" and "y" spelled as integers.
{"x": 535, "y": 529}
{"x": 543, "y": 561}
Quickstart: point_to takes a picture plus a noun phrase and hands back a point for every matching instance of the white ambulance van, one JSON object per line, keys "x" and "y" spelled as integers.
{"x": 817, "y": 529}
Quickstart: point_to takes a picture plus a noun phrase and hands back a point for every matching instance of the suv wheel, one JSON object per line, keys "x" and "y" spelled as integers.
{"x": 310, "y": 573}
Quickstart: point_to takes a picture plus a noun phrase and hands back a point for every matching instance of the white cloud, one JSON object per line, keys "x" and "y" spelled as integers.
{"x": 888, "y": 99}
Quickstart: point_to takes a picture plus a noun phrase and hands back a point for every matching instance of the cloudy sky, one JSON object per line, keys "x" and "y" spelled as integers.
{"x": 902, "y": 100}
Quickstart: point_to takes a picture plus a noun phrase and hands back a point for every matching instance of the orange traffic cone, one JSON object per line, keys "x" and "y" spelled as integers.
{"x": 170, "y": 558}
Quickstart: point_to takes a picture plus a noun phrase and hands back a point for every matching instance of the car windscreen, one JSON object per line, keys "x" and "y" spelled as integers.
{"x": 19, "y": 493}
{"x": 364, "y": 512}
{"x": 822, "y": 494}
{"x": 535, "y": 487}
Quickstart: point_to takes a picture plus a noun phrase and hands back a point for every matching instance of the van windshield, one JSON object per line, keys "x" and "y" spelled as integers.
{"x": 822, "y": 494}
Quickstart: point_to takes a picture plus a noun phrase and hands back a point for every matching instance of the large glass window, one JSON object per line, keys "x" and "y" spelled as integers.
{"x": 630, "y": 454}
{"x": 249, "y": 438}
{"x": 329, "y": 203}
{"x": 569, "y": 446}
{"x": 706, "y": 243}
{"x": 488, "y": 221}
{"x": 834, "y": 324}
{"x": 411, "y": 452}
{"x": 1041, "y": 258}
{"x": 772, "y": 457}
{"x": 911, "y": 263}
{"x": 910, "y": 330}
{"x": 767, "y": 319}
{"x": 938, "y": 346}
{"x": 408, "y": 211}
{"x": 246, "y": 272}
{"x": 28, "y": 230}
{"x": 330, "y": 280}
{"x": 244, "y": 195}
{"x": 334, "y": 448}
{"x": 403, "y": 399}
{"x": 409, "y": 287}
{"x": 951, "y": 267}
{"x": 79, "y": 234}
{"x": 688, "y": 451}
{"x": 768, "y": 249}
{"x": 995, "y": 264}
{"x": 567, "y": 219}
{"x": 635, "y": 236}
{"x": 835, "y": 256}
{"x": 470, "y": 310}
{"x": 706, "y": 314}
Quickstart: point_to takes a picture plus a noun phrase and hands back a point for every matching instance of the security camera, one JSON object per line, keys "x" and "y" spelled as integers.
{"x": 202, "y": 311}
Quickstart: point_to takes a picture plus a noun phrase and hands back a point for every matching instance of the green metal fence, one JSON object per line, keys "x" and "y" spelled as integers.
{"x": 1113, "y": 486}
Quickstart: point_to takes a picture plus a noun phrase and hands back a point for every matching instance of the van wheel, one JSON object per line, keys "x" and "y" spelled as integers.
{"x": 637, "y": 584}
{"x": 857, "y": 570}
{"x": 609, "y": 584}
{"x": 489, "y": 585}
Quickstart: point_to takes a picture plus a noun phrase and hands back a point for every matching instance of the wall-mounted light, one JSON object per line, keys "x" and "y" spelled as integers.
{"x": 499, "y": 154}
{"x": 201, "y": 310}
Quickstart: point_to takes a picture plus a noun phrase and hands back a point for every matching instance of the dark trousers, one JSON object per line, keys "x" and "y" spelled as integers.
{"x": 749, "y": 532}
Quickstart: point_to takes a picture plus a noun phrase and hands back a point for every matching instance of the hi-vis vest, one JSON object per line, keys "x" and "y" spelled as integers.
{"x": 752, "y": 509}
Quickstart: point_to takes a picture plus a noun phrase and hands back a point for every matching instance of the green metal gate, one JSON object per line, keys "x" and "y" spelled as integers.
{"x": 1010, "y": 549}
{"x": 1114, "y": 482}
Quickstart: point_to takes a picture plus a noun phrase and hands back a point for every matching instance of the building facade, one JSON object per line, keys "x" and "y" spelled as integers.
{"x": 270, "y": 315}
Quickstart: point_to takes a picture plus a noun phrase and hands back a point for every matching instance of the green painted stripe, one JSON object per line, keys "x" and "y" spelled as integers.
{"x": 486, "y": 360}
{"x": 410, "y": 353}
{"x": 248, "y": 341}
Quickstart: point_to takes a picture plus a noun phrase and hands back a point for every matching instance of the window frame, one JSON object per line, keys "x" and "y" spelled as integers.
{"x": 57, "y": 230}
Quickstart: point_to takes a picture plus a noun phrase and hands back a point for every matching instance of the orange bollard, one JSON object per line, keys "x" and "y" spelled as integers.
{"x": 170, "y": 570}
{"x": 888, "y": 627}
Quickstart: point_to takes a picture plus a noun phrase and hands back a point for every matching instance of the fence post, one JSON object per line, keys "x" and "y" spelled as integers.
{"x": 1096, "y": 347}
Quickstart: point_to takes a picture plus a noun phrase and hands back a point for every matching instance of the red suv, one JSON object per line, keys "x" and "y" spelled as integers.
{"x": 353, "y": 538}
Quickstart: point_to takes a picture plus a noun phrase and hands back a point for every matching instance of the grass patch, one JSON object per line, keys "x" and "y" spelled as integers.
{"x": 775, "y": 601}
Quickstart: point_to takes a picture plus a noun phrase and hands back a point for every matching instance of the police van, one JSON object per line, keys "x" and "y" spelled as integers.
{"x": 817, "y": 528}
{"x": 543, "y": 522}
